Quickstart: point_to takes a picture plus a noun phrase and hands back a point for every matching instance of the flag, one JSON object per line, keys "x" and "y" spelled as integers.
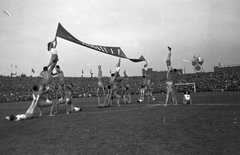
{"x": 7, "y": 13}
{"x": 33, "y": 70}
{"x": 142, "y": 58}
{"x": 139, "y": 59}
{"x": 169, "y": 48}
{"x": 91, "y": 73}
{"x": 114, "y": 51}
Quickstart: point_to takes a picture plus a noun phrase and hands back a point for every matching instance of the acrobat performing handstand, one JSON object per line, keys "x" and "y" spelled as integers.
{"x": 170, "y": 81}
{"x": 100, "y": 87}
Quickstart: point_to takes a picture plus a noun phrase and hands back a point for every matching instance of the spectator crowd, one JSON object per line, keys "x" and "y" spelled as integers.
{"x": 19, "y": 88}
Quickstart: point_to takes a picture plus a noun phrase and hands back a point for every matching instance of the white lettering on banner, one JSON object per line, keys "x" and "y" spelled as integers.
{"x": 105, "y": 49}
{"x": 86, "y": 44}
{"x": 112, "y": 51}
{"x": 118, "y": 51}
{"x": 98, "y": 48}
{"x": 90, "y": 45}
{"x": 102, "y": 48}
{"x": 94, "y": 47}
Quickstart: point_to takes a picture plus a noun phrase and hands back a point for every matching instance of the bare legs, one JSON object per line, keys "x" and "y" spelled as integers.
{"x": 174, "y": 99}
{"x": 100, "y": 87}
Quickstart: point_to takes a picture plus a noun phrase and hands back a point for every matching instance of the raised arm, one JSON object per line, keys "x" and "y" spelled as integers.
{"x": 41, "y": 74}
{"x": 54, "y": 42}
{"x": 118, "y": 67}
{"x": 119, "y": 63}
{"x": 125, "y": 74}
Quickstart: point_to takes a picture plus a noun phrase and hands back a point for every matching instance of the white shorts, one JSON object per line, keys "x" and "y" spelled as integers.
{"x": 20, "y": 117}
{"x": 77, "y": 109}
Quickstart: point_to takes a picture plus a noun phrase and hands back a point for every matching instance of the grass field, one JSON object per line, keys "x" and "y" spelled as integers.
{"x": 210, "y": 126}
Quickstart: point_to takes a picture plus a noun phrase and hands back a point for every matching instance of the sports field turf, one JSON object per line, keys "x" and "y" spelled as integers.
{"x": 210, "y": 126}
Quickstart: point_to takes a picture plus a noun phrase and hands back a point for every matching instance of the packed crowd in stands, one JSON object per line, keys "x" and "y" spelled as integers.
{"x": 19, "y": 88}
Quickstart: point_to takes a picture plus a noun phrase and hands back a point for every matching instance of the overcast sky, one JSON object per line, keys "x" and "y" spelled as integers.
{"x": 209, "y": 28}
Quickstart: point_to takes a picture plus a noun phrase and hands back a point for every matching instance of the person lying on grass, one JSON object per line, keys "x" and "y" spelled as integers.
{"x": 38, "y": 100}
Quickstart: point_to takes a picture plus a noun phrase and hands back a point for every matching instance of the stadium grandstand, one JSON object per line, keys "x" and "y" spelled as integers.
{"x": 226, "y": 68}
{"x": 224, "y": 78}
{"x": 152, "y": 73}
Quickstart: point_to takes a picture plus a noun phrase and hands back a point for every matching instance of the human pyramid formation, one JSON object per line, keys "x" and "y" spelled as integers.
{"x": 171, "y": 73}
{"x": 114, "y": 85}
{"x": 41, "y": 92}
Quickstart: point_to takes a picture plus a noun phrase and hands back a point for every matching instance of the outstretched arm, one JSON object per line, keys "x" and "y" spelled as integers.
{"x": 125, "y": 74}
{"x": 119, "y": 63}
{"x": 54, "y": 42}
{"x": 41, "y": 74}
{"x": 99, "y": 71}
{"x": 118, "y": 67}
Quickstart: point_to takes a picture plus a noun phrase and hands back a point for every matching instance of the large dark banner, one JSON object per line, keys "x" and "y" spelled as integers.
{"x": 114, "y": 51}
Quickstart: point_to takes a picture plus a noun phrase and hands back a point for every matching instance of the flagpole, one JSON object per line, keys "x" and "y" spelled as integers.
{"x": 16, "y": 69}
